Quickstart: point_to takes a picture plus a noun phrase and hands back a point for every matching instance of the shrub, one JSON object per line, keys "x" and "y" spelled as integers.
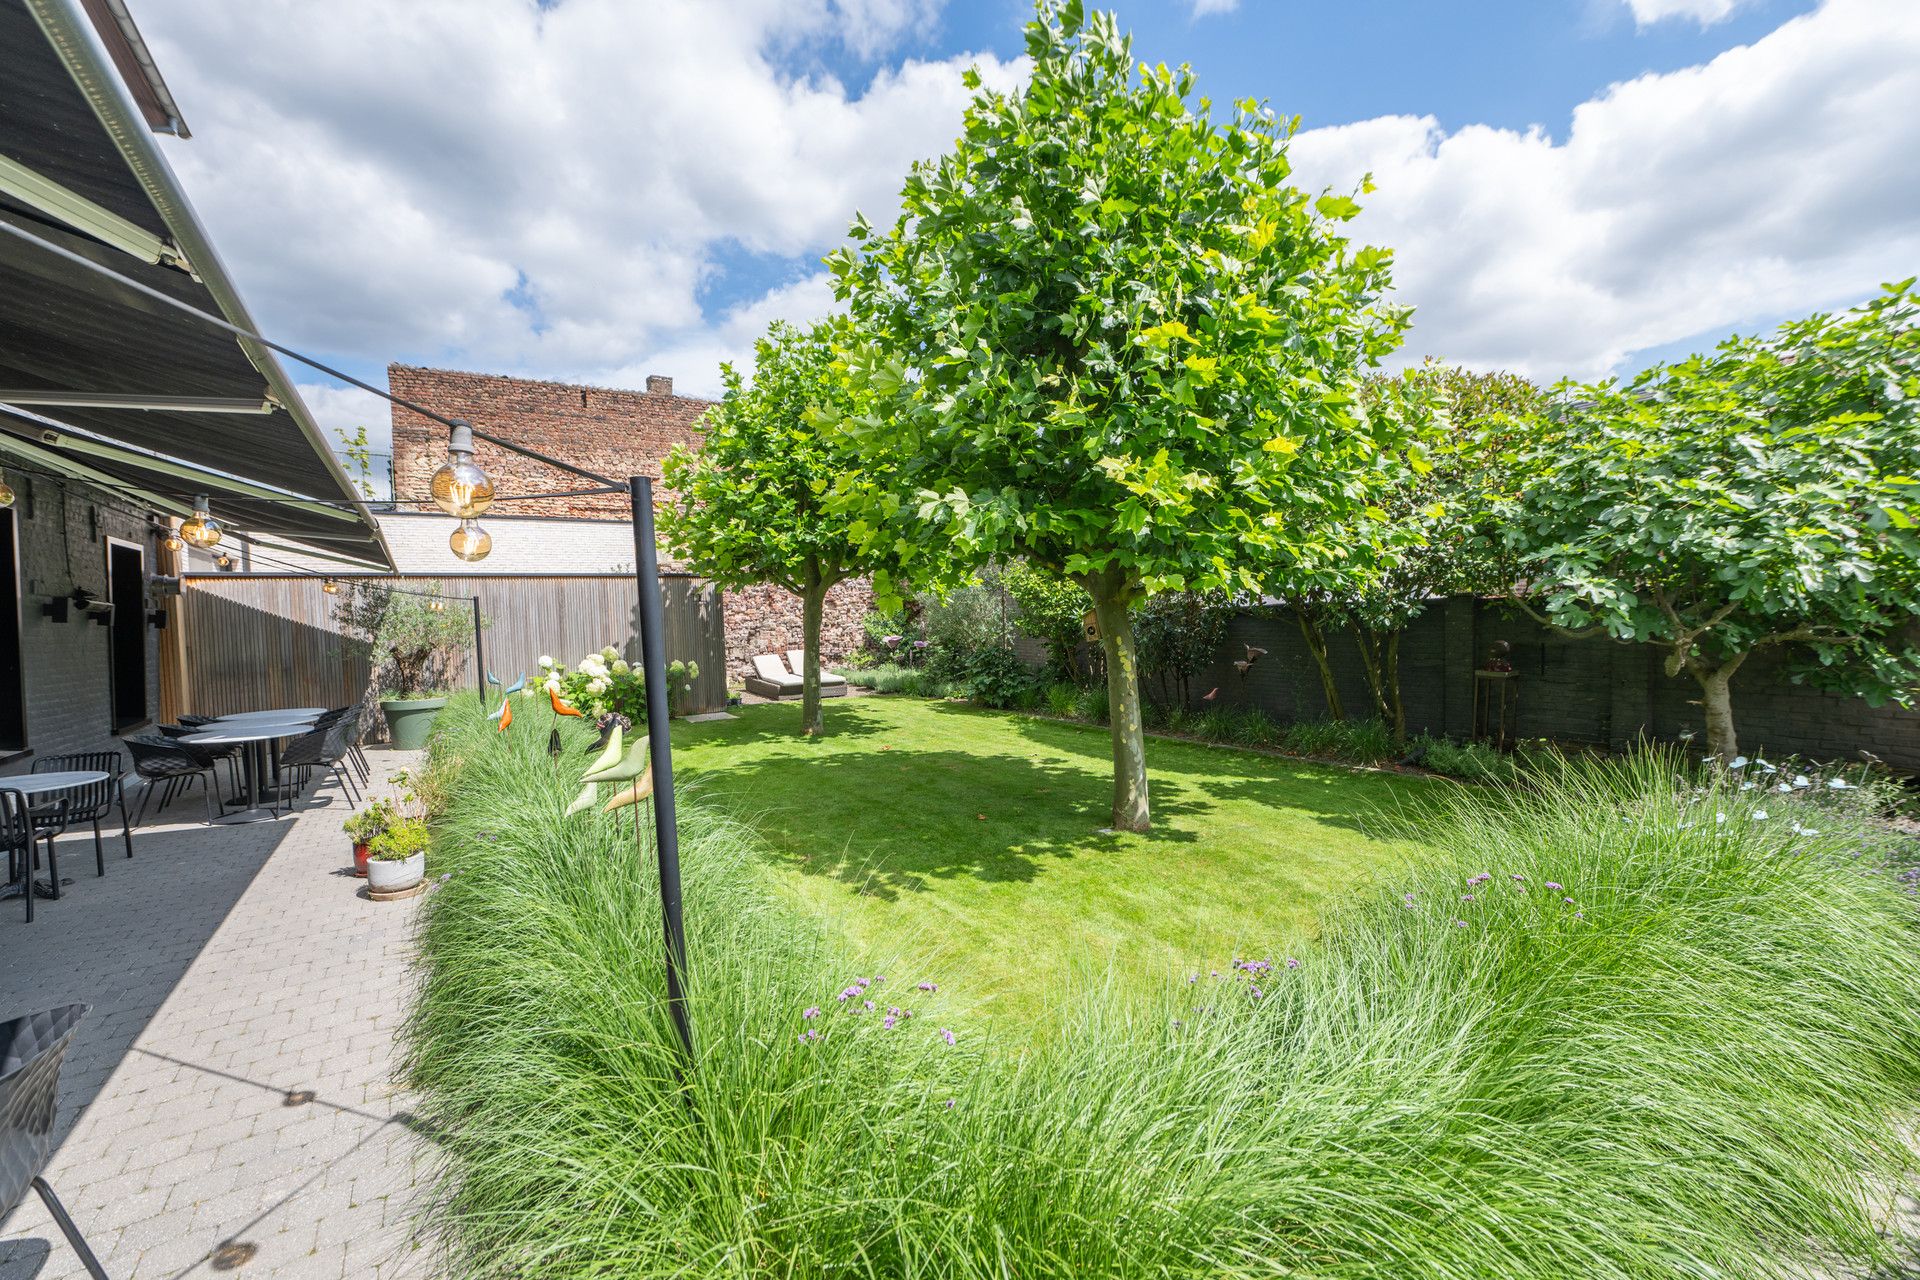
{"x": 1063, "y": 700}
{"x": 407, "y": 639}
{"x": 1602, "y": 1034}
{"x": 1050, "y": 609}
{"x": 1361, "y": 741}
{"x": 1180, "y": 634}
{"x": 604, "y": 684}
{"x": 997, "y": 677}
{"x": 1092, "y": 704}
{"x": 1468, "y": 761}
{"x": 369, "y": 821}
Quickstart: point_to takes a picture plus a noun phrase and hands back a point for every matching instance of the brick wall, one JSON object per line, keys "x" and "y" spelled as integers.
{"x": 62, "y": 530}
{"x": 614, "y": 432}
{"x": 617, "y": 433}
{"x": 1577, "y": 691}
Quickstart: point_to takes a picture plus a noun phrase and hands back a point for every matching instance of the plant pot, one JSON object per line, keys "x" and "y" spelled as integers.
{"x": 410, "y": 719}
{"x": 360, "y": 858}
{"x": 385, "y": 876}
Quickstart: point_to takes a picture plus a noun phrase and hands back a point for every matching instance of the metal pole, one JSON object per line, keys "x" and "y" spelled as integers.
{"x": 666, "y": 831}
{"x": 479, "y": 656}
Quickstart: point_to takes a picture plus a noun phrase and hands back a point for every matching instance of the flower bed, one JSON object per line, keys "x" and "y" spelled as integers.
{"x": 1618, "y": 1029}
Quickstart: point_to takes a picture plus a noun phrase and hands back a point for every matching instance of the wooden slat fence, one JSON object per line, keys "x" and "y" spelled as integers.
{"x": 241, "y": 643}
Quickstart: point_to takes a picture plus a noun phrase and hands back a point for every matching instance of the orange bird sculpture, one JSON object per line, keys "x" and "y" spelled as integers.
{"x": 560, "y": 708}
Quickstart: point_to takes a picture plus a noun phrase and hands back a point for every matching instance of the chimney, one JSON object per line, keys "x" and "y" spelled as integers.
{"x": 659, "y": 386}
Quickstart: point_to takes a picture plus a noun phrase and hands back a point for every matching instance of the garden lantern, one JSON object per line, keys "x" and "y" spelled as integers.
{"x": 202, "y": 530}
{"x": 460, "y": 488}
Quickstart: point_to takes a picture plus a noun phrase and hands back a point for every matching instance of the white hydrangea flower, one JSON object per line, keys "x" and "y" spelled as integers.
{"x": 545, "y": 661}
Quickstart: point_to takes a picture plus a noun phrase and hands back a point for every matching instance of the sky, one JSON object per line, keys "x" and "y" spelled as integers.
{"x": 598, "y": 190}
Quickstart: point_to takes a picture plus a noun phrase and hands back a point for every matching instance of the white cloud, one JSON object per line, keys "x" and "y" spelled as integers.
{"x": 1775, "y": 179}
{"x": 1205, "y": 8}
{"x": 502, "y": 186}
{"x": 1704, "y": 12}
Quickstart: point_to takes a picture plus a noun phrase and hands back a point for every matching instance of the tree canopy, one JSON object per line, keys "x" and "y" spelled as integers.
{"x": 1759, "y": 497}
{"x": 1110, "y": 337}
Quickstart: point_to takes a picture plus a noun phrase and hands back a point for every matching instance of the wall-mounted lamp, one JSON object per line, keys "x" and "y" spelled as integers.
{"x": 6, "y": 491}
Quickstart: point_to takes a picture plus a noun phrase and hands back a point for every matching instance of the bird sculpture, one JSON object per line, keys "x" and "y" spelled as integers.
{"x": 1242, "y": 667}
{"x": 617, "y": 762}
{"x": 1210, "y": 694}
{"x": 1255, "y": 653}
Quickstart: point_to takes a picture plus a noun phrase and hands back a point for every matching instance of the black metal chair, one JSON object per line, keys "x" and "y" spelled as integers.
{"x": 31, "y": 1050}
{"x": 19, "y": 832}
{"x": 230, "y": 752}
{"x": 173, "y": 766}
{"x": 325, "y": 747}
{"x": 90, "y": 801}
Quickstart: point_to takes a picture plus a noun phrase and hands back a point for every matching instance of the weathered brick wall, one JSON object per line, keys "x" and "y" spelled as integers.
{"x": 1585, "y": 691}
{"x": 767, "y": 620}
{"x": 614, "y": 432}
{"x": 62, "y": 541}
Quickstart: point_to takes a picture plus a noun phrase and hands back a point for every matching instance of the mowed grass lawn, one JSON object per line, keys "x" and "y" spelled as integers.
{"x": 970, "y": 840}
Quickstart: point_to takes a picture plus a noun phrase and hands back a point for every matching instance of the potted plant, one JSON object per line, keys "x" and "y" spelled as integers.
{"x": 397, "y": 857}
{"x": 363, "y": 826}
{"x": 408, "y": 641}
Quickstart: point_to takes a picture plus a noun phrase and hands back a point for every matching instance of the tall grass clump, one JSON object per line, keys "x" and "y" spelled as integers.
{"x": 1361, "y": 741}
{"x": 1619, "y": 1029}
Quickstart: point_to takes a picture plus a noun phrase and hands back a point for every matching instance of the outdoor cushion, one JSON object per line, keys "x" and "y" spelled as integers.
{"x": 797, "y": 659}
{"x": 769, "y": 668}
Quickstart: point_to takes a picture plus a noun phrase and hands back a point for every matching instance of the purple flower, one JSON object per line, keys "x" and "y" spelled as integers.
{"x": 1482, "y": 878}
{"x": 812, "y": 1012}
{"x": 946, "y": 1035}
{"x": 949, "y": 1104}
{"x": 929, "y": 986}
{"x": 1518, "y": 878}
{"x": 919, "y": 644}
{"x": 1555, "y": 885}
{"x": 1466, "y": 897}
{"x": 1292, "y": 963}
{"x": 1460, "y": 924}
{"x": 893, "y": 1011}
{"x": 1257, "y": 993}
{"x": 887, "y": 1022}
{"x": 862, "y": 983}
{"x": 868, "y": 1004}
{"x": 892, "y": 642}
{"x": 1193, "y": 977}
{"x": 1568, "y": 901}
{"x": 1579, "y": 915}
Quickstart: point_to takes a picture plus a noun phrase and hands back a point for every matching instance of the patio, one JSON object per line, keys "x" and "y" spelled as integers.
{"x": 228, "y": 1102}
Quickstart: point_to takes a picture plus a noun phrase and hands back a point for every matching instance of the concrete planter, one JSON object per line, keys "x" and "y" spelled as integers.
{"x": 410, "y": 719}
{"x": 384, "y": 876}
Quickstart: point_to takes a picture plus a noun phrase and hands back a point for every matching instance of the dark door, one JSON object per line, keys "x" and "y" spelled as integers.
{"x": 126, "y": 584}
{"x": 13, "y": 685}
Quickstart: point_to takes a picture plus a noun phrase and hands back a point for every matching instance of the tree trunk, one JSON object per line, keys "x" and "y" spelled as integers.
{"x": 1317, "y": 646}
{"x": 1716, "y": 699}
{"x": 813, "y": 600}
{"x": 1372, "y": 660}
{"x": 1111, "y": 596}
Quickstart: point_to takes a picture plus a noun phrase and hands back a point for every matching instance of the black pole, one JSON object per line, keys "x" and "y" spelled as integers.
{"x": 666, "y": 831}
{"x": 479, "y": 656}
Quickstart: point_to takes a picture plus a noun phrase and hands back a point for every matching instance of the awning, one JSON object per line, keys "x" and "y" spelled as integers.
{"x": 101, "y": 382}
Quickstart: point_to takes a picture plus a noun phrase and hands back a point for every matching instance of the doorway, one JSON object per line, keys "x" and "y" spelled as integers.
{"x": 127, "y": 588}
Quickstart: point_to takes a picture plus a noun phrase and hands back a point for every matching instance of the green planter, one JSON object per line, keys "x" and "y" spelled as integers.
{"x": 409, "y": 719}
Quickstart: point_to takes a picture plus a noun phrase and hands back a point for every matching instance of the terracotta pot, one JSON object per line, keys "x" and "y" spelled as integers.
{"x": 360, "y": 858}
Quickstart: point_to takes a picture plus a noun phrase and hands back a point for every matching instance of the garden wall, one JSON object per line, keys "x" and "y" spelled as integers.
{"x": 1578, "y": 691}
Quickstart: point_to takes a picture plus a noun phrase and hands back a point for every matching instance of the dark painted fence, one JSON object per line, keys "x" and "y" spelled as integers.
{"x": 238, "y": 643}
{"x": 1576, "y": 691}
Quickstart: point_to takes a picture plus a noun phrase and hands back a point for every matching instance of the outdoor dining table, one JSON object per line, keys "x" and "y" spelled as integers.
{"x": 39, "y": 784}
{"x": 254, "y": 734}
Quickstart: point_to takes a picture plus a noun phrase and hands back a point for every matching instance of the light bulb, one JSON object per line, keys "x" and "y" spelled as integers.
{"x": 173, "y": 542}
{"x": 460, "y": 488}
{"x": 202, "y": 531}
{"x": 437, "y": 606}
{"x": 6, "y": 492}
{"x": 223, "y": 560}
{"x": 329, "y": 586}
{"x": 470, "y": 542}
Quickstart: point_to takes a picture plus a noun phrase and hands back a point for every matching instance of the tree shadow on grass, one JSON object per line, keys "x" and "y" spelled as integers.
{"x": 1376, "y": 805}
{"x": 887, "y": 823}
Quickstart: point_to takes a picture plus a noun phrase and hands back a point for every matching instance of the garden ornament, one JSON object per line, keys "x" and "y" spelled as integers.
{"x": 519, "y": 683}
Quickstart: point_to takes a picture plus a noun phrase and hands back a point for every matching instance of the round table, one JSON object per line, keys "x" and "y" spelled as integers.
{"x": 254, "y": 735}
{"x": 37, "y": 784}
{"x": 284, "y": 713}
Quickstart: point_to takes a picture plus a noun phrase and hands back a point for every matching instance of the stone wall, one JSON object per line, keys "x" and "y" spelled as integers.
{"x": 767, "y": 620}
{"x": 1576, "y": 691}
{"x": 62, "y": 530}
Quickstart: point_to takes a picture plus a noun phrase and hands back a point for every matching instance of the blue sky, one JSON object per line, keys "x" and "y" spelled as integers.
{"x": 596, "y": 190}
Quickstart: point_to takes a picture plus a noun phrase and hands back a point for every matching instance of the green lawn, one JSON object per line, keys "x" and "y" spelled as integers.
{"x": 971, "y": 838}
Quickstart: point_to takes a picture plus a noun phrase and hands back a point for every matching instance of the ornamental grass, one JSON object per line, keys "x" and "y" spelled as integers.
{"x": 1618, "y": 1027}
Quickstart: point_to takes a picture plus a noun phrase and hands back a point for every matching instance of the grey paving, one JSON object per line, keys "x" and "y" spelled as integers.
{"x": 229, "y": 1104}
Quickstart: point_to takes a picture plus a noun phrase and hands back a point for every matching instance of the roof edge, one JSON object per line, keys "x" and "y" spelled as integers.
{"x": 69, "y": 31}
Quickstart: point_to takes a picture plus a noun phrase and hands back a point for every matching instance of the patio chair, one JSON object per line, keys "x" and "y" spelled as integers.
{"x": 19, "y": 832}
{"x": 325, "y": 747}
{"x": 90, "y": 802}
{"x": 172, "y": 766}
{"x": 31, "y": 1050}
{"x": 230, "y": 752}
{"x": 832, "y": 684}
{"x": 771, "y": 679}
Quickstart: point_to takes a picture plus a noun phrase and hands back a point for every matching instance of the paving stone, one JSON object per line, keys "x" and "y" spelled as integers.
{"x": 227, "y": 968}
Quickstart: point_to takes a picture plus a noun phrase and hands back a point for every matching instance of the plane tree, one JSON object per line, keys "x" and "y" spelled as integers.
{"x": 1111, "y": 336}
